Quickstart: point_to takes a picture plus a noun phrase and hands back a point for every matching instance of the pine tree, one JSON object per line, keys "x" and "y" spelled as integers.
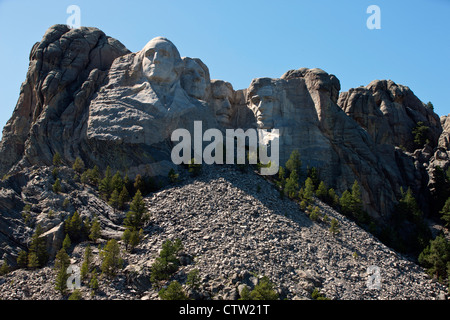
{"x": 137, "y": 216}
{"x": 37, "y": 256}
{"x": 124, "y": 197}
{"x": 139, "y": 184}
{"x": 57, "y": 159}
{"x": 292, "y": 185}
{"x": 5, "y": 268}
{"x": 193, "y": 279}
{"x": 95, "y": 230}
{"x": 111, "y": 258}
{"x": 114, "y": 200}
{"x": 174, "y": 291}
{"x": 322, "y": 192}
{"x": 445, "y": 212}
{"x": 22, "y": 259}
{"x": 57, "y": 186}
{"x": 264, "y": 290}
{"x": 117, "y": 182}
{"x": 436, "y": 256}
{"x": 73, "y": 226}
{"x": 167, "y": 262}
{"x": 313, "y": 173}
{"x": 61, "y": 281}
{"x": 85, "y": 267}
{"x": 314, "y": 215}
{"x": 66, "y": 243}
{"x": 62, "y": 260}
{"x": 94, "y": 175}
{"x": 308, "y": 191}
{"x": 346, "y": 202}
{"x": 281, "y": 177}
{"x": 93, "y": 284}
{"x": 78, "y": 165}
{"x": 105, "y": 186}
{"x": 334, "y": 227}
{"x": 294, "y": 162}
{"x": 76, "y": 295}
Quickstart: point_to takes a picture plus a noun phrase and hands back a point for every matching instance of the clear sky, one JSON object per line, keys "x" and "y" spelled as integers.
{"x": 244, "y": 39}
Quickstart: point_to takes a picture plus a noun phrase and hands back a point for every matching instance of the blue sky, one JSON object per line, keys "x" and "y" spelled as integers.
{"x": 246, "y": 39}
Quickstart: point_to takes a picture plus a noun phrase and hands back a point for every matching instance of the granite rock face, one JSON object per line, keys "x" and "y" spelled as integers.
{"x": 65, "y": 68}
{"x": 389, "y": 112}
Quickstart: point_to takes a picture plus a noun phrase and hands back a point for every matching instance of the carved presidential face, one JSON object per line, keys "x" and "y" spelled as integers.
{"x": 161, "y": 61}
{"x": 263, "y": 102}
{"x": 195, "y": 79}
{"x": 221, "y": 97}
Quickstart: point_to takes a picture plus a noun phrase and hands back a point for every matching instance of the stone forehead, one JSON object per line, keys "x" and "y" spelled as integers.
{"x": 161, "y": 42}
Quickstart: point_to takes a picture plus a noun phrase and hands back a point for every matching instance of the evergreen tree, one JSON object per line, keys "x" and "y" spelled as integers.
{"x": 76, "y": 295}
{"x": 33, "y": 261}
{"x": 292, "y": 185}
{"x": 57, "y": 159}
{"x": 334, "y": 227}
{"x": 73, "y": 226}
{"x": 139, "y": 184}
{"x": 445, "y": 212}
{"x": 346, "y": 202}
{"x": 94, "y": 175}
{"x": 5, "y": 268}
{"x": 61, "y": 281}
{"x": 137, "y": 216}
{"x": 264, "y": 290}
{"x": 62, "y": 260}
{"x": 78, "y": 165}
{"x": 308, "y": 191}
{"x": 93, "y": 284}
{"x": 117, "y": 182}
{"x": 322, "y": 192}
{"x": 57, "y": 186}
{"x": 314, "y": 215}
{"x": 37, "y": 256}
{"x": 111, "y": 258}
{"x": 313, "y": 173}
{"x": 66, "y": 243}
{"x": 281, "y": 177}
{"x": 124, "y": 197}
{"x": 95, "y": 230}
{"x": 174, "y": 291}
{"x": 436, "y": 256}
{"x": 85, "y": 267}
{"x": 334, "y": 198}
{"x": 193, "y": 279}
{"x": 114, "y": 200}
{"x": 22, "y": 259}
{"x": 245, "y": 293}
{"x": 105, "y": 187}
{"x": 421, "y": 134}
{"x": 167, "y": 262}
{"x": 294, "y": 162}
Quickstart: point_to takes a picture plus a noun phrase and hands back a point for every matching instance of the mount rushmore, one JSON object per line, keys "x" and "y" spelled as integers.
{"x": 85, "y": 95}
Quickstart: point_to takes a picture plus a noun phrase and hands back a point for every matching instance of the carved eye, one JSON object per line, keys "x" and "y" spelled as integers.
{"x": 255, "y": 100}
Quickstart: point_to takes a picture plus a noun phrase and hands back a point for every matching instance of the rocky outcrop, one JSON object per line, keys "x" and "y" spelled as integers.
{"x": 389, "y": 112}
{"x": 240, "y": 232}
{"x": 27, "y": 199}
{"x": 65, "y": 69}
